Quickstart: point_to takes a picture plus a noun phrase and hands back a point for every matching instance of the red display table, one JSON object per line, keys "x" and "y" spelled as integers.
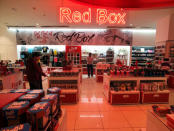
{"x": 125, "y": 97}
{"x": 7, "y": 98}
{"x": 155, "y": 97}
{"x": 133, "y": 96}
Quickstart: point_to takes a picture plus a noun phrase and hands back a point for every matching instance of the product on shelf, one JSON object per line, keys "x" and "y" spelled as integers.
{"x": 38, "y": 116}
{"x": 57, "y": 91}
{"x": 20, "y": 91}
{"x": 161, "y": 110}
{"x": 64, "y": 84}
{"x": 149, "y": 72}
{"x": 153, "y": 86}
{"x": 38, "y": 91}
{"x": 57, "y": 73}
{"x": 109, "y": 56}
{"x": 21, "y": 127}
{"x": 32, "y": 98}
{"x": 142, "y": 55}
{"x": 15, "y": 112}
{"x": 123, "y": 85}
{"x": 52, "y": 99}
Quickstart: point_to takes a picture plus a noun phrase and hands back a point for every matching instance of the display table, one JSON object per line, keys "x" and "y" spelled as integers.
{"x": 155, "y": 97}
{"x": 5, "y": 99}
{"x": 49, "y": 69}
{"x": 133, "y": 96}
{"x": 100, "y": 70}
{"x": 12, "y": 81}
{"x": 156, "y": 123}
{"x": 124, "y": 97}
{"x": 68, "y": 81}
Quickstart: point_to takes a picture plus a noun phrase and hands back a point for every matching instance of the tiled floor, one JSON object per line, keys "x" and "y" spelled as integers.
{"x": 94, "y": 113}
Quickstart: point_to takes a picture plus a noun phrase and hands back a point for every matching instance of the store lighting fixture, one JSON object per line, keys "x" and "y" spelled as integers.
{"x": 54, "y": 29}
{"x": 139, "y": 30}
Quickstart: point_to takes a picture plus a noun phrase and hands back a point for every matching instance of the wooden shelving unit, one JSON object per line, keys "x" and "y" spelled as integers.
{"x": 100, "y": 70}
{"x": 69, "y": 82}
{"x": 135, "y": 95}
{"x": 142, "y": 55}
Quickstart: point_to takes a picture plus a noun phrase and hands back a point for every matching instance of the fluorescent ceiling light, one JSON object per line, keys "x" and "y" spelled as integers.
{"x": 53, "y": 29}
{"x": 140, "y": 30}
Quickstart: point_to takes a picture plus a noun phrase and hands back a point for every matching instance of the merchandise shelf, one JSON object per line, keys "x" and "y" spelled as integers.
{"x": 69, "y": 84}
{"x": 135, "y": 94}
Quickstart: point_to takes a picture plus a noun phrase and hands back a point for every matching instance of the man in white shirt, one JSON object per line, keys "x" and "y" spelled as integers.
{"x": 90, "y": 65}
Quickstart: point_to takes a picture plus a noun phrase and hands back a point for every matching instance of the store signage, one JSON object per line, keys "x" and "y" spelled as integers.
{"x": 73, "y": 49}
{"x": 102, "y": 16}
{"x": 107, "y": 37}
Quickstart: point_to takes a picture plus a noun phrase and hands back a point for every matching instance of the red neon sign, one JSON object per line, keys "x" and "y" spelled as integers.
{"x": 103, "y": 16}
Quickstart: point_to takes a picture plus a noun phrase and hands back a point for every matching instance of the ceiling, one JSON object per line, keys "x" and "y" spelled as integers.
{"x": 46, "y": 13}
{"x": 130, "y": 3}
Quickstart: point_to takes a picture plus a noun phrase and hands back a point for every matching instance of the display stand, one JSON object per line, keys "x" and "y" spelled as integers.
{"x": 100, "y": 70}
{"x": 155, "y": 97}
{"x": 134, "y": 96}
{"x": 12, "y": 81}
{"x": 156, "y": 123}
{"x": 49, "y": 69}
{"x": 73, "y": 53}
{"x": 69, "y": 82}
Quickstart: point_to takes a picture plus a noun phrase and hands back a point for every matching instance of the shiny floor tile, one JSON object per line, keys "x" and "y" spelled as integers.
{"x": 89, "y": 120}
{"x": 71, "y": 119}
{"x": 107, "y": 107}
{"x": 90, "y": 130}
{"x": 88, "y": 107}
{"x": 94, "y": 113}
{"x": 139, "y": 129}
{"x": 114, "y": 119}
{"x": 120, "y": 129}
{"x": 129, "y": 108}
{"x": 136, "y": 118}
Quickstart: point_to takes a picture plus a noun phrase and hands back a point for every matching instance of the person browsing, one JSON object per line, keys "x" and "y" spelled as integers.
{"x": 90, "y": 65}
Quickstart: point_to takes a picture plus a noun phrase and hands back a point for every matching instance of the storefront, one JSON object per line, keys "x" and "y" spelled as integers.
{"x": 133, "y": 63}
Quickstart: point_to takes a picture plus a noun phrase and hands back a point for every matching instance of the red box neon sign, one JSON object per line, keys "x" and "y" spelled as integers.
{"x": 103, "y": 16}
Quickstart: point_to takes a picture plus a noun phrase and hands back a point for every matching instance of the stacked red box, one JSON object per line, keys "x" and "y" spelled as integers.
{"x": 56, "y": 90}
{"x": 15, "y": 112}
{"x": 32, "y": 98}
{"x": 39, "y": 91}
{"x": 38, "y": 116}
{"x": 170, "y": 120}
{"x": 52, "y": 99}
{"x": 21, "y": 127}
{"x": 20, "y": 91}
{"x": 99, "y": 78}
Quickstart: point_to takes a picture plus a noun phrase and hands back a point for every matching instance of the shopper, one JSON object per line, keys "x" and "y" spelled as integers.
{"x": 34, "y": 71}
{"x": 90, "y": 65}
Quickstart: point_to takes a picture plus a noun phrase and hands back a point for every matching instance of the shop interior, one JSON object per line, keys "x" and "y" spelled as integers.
{"x": 126, "y": 85}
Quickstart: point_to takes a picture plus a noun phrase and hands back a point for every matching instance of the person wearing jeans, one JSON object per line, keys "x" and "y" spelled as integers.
{"x": 90, "y": 65}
